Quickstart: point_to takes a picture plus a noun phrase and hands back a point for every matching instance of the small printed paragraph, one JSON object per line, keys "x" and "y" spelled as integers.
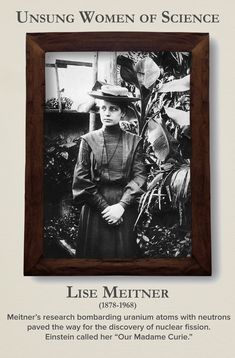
{"x": 117, "y": 327}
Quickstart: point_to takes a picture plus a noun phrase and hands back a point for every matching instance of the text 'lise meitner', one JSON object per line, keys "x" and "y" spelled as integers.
{"x": 116, "y": 292}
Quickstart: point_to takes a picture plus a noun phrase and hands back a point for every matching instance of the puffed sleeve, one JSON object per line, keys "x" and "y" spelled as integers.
{"x": 137, "y": 184}
{"x": 84, "y": 189}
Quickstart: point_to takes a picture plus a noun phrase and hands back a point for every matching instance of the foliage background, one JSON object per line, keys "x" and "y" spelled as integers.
{"x": 164, "y": 222}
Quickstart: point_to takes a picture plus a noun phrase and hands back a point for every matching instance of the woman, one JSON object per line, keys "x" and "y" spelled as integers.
{"x": 108, "y": 178}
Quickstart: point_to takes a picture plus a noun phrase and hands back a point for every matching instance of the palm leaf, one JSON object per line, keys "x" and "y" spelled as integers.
{"x": 180, "y": 185}
{"x": 180, "y": 85}
{"x": 147, "y": 72}
{"x": 182, "y": 118}
{"x": 142, "y": 205}
{"x": 127, "y": 70}
{"x": 150, "y": 199}
{"x": 155, "y": 181}
{"x": 161, "y": 140}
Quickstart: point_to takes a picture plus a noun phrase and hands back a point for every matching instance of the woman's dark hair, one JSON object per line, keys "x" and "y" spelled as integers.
{"x": 122, "y": 105}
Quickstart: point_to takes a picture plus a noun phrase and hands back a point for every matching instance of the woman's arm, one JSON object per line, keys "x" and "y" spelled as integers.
{"x": 136, "y": 186}
{"x": 84, "y": 189}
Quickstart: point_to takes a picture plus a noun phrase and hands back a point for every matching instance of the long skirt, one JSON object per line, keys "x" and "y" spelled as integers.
{"x": 97, "y": 239}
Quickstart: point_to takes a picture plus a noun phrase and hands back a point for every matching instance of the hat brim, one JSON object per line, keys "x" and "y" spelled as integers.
{"x": 126, "y": 99}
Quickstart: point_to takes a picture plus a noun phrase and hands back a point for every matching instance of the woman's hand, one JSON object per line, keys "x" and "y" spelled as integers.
{"x": 113, "y": 214}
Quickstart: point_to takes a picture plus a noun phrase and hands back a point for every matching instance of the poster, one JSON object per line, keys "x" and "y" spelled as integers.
{"x": 180, "y": 316}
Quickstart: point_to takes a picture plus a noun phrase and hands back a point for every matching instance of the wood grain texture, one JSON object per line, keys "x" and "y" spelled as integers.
{"x": 36, "y": 46}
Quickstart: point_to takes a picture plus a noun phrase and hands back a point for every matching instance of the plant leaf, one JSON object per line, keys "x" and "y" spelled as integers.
{"x": 145, "y": 238}
{"x": 180, "y": 85}
{"x": 147, "y": 72}
{"x": 155, "y": 181}
{"x": 180, "y": 183}
{"x": 65, "y": 155}
{"x": 127, "y": 70}
{"x": 150, "y": 199}
{"x": 160, "y": 139}
{"x": 182, "y": 118}
{"x": 186, "y": 131}
{"x": 143, "y": 200}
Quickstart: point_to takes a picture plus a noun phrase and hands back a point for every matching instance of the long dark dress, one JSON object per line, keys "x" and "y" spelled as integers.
{"x": 109, "y": 170}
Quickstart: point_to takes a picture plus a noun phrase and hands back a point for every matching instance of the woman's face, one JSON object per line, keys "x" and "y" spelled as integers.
{"x": 110, "y": 113}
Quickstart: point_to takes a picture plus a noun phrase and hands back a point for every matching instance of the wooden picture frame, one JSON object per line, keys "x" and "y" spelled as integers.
{"x": 37, "y": 44}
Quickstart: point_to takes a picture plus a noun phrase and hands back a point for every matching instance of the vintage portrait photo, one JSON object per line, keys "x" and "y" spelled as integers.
{"x": 119, "y": 124}
{"x": 117, "y": 151}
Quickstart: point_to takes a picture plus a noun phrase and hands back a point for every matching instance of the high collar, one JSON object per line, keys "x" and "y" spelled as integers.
{"x": 112, "y": 129}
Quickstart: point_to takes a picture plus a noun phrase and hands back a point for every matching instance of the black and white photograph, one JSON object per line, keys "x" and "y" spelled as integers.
{"x": 117, "y": 151}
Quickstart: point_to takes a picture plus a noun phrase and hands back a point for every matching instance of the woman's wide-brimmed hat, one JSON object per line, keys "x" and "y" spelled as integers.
{"x": 114, "y": 93}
